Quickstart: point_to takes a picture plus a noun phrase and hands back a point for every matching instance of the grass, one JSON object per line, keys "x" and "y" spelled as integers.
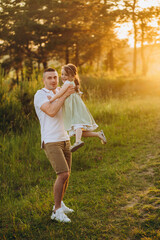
{"x": 114, "y": 189}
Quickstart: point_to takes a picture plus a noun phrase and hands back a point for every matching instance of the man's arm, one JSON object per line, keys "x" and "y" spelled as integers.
{"x": 51, "y": 109}
{"x": 60, "y": 93}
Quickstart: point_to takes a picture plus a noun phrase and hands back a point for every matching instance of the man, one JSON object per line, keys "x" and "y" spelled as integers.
{"x": 54, "y": 139}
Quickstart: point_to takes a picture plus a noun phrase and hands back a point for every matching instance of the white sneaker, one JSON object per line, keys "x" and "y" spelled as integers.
{"x": 65, "y": 208}
{"x": 76, "y": 146}
{"x": 102, "y": 137}
{"x": 60, "y": 216}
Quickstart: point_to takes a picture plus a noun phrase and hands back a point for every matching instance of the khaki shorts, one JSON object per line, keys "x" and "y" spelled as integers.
{"x": 59, "y": 155}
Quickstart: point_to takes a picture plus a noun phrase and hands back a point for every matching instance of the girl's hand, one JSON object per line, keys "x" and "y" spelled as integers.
{"x": 70, "y": 90}
{"x": 49, "y": 97}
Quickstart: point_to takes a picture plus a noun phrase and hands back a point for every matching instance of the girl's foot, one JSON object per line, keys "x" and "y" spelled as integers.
{"x": 102, "y": 137}
{"x": 76, "y": 146}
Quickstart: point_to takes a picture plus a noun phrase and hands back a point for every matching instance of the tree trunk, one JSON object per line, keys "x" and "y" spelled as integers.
{"x": 135, "y": 38}
{"x": 17, "y": 77}
{"x": 77, "y": 55}
{"x": 22, "y": 75}
{"x": 67, "y": 56}
{"x": 135, "y": 53}
{"x": 44, "y": 64}
{"x": 39, "y": 66}
{"x": 107, "y": 62}
{"x": 111, "y": 60}
{"x": 144, "y": 69}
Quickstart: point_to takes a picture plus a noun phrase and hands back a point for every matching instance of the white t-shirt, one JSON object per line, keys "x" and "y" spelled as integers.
{"x": 52, "y": 128}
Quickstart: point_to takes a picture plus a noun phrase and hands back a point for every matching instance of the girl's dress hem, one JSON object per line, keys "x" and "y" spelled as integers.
{"x": 84, "y": 127}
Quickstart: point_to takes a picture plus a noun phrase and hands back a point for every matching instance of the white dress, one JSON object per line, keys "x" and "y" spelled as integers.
{"x": 76, "y": 115}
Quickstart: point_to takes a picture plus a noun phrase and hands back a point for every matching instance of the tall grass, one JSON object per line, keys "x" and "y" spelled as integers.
{"x": 102, "y": 179}
{"x": 23, "y": 161}
{"x": 119, "y": 86}
{"x": 16, "y": 108}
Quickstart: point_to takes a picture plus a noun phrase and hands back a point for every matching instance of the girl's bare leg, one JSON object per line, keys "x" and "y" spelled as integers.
{"x": 90, "y": 134}
{"x": 78, "y": 134}
{"x": 95, "y": 134}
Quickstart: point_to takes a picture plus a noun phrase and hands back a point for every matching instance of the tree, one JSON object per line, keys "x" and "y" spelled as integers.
{"x": 147, "y": 32}
{"x": 131, "y": 9}
{"x": 40, "y": 30}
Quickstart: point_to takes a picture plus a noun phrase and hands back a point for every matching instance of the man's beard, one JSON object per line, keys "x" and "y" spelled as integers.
{"x": 53, "y": 87}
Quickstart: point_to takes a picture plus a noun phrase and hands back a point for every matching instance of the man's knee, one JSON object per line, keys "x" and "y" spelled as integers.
{"x": 64, "y": 176}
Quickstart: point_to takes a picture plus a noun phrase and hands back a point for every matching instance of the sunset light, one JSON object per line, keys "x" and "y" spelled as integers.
{"x": 148, "y": 3}
{"x": 125, "y": 30}
{"x": 80, "y": 119}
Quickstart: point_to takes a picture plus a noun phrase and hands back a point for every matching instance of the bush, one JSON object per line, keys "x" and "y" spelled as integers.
{"x": 25, "y": 98}
{"x": 14, "y": 115}
{"x": 16, "y": 101}
{"x": 10, "y": 117}
{"x": 122, "y": 86}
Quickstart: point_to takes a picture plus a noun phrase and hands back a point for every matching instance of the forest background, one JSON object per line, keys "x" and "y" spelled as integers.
{"x": 120, "y": 83}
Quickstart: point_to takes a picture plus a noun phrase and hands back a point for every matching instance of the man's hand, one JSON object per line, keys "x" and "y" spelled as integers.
{"x": 52, "y": 109}
{"x": 49, "y": 97}
{"x": 69, "y": 91}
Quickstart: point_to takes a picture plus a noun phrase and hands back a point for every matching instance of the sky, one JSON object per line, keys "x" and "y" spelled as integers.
{"x": 123, "y": 29}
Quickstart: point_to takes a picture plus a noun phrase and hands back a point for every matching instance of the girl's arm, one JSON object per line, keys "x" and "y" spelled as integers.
{"x": 52, "y": 109}
{"x": 60, "y": 93}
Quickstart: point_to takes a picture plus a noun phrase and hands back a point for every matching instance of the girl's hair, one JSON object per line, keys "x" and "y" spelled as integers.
{"x": 71, "y": 70}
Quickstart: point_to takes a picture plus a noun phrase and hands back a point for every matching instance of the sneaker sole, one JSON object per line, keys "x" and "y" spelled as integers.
{"x": 57, "y": 220}
{"x": 76, "y": 147}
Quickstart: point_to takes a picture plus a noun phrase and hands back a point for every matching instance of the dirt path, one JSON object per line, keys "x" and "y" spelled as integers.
{"x": 138, "y": 209}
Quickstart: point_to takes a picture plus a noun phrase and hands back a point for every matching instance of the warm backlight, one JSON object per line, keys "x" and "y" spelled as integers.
{"x": 123, "y": 30}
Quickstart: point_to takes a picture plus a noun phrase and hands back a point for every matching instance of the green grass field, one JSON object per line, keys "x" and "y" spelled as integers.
{"x": 114, "y": 189}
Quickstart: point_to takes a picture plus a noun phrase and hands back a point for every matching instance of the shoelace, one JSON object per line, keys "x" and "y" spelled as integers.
{"x": 63, "y": 216}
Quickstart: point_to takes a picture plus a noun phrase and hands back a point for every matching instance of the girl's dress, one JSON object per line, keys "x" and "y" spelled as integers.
{"x": 76, "y": 115}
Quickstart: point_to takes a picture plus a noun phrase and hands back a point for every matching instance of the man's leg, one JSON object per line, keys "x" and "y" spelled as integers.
{"x": 59, "y": 187}
{"x": 58, "y": 212}
{"x": 55, "y": 154}
{"x": 68, "y": 157}
{"x": 65, "y": 187}
{"x": 60, "y": 158}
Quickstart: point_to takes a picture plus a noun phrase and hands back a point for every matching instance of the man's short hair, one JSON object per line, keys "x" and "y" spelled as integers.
{"x": 49, "y": 70}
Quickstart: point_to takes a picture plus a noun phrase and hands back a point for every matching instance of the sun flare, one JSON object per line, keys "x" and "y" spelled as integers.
{"x": 125, "y": 30}
{"x": 148, "y": 3}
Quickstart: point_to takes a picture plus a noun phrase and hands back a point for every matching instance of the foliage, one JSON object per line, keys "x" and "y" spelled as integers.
{"x": 17, "y": 108}
{"x": 117, "y": 86}
{"x": 64, "y": 30}
{"x": 142, "y": 30}
{"x": 14, "y": 115}
{"x": 82, "y": 32}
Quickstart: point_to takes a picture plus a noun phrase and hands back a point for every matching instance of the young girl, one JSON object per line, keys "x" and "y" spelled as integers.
{"x": 77, "y": 118}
